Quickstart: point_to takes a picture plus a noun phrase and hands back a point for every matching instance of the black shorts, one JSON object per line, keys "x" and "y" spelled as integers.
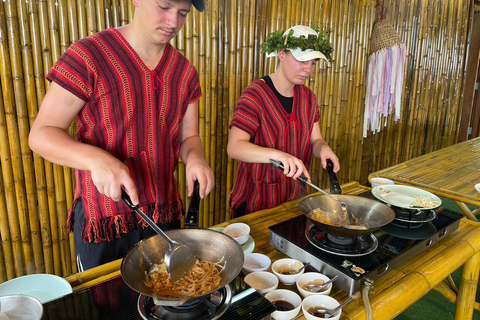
{"x": 90, "y": 254}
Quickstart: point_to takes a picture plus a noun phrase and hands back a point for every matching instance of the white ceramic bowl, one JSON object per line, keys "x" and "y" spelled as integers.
{"x": 238, "y": 231}
{"x": 20, "y": 306}
{"x": 44, "y": 287}
{"x": 313, "y": 278}
{"x": 322, "y": 301}
{"x": 380, "y": 181}
{"x": 282, "y": 297}
{"x": 254, "y": 262}
{"x": 262, "y": 281}
{"x": 283, "y": 265}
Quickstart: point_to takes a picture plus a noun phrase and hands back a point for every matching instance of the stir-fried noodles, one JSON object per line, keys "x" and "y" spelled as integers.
{"x": 203, "y": 278}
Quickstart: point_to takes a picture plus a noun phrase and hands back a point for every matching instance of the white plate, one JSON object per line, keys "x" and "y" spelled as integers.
{"x": 404, "y": 196}
{"x": 44, "y": 287}
{"x": 247, "y": 247}
{"x": 477, "y": 187}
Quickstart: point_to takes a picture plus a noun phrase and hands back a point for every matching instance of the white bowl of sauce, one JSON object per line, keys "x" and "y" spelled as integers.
{"x": 312, "y": 303}
{"x": 287, "y": 302}
{"x": 314, "y": 278}
{"x": 285, "y": 270}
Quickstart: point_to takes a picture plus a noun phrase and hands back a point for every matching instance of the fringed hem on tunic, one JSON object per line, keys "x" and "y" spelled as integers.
{"x": 109, "y": 228}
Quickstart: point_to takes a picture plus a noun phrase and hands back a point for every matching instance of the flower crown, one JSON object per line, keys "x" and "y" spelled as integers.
{"x": 278, "y": 41}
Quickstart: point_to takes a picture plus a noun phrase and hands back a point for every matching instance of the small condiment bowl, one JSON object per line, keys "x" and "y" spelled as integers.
{"x": 375, "y": 182}
{"x": 255, "y": 262}
{"x": 313, "y": 278}
{"x": 281, "y": 266}
{"x": 238, "y": 231}
{"x": 19, "y": 306}
{"x": 262, "y": 281}
{"x": 477, "y": 187}
{"x": 319, "y": 301}
{"x": 287, "y": 302}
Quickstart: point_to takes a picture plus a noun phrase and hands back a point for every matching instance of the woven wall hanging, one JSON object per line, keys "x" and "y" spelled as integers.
{"x": 385, "y": 75}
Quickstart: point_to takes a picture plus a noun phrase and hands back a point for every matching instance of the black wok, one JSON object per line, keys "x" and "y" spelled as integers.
{"x": 207, "y": 245}
{"x": 371, "y": 214}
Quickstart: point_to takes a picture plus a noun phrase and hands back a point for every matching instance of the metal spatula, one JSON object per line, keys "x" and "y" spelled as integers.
{"x": 178, "y": 259}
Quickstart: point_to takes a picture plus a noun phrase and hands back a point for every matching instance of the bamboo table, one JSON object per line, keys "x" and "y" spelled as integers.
{"x": 451, "y": 172}
{"x": 392, "y": 293}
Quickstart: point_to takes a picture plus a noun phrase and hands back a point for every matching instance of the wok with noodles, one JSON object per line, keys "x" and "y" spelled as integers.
{"x": 327, "y": 214}
{"x": 218, "y": 255}
{"x": 203, "y": 278}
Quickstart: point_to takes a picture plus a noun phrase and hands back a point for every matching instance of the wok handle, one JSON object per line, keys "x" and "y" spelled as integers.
{"x": 334, "y": 184}
{"x": 191, "y": 219}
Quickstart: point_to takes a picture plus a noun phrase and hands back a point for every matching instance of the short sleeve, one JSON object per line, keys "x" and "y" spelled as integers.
{"x": 74, "y": 72}
{"x": 246, "y": 116}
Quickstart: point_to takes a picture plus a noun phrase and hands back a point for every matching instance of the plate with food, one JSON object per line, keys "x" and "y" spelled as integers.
{"x": 406, "y": 197}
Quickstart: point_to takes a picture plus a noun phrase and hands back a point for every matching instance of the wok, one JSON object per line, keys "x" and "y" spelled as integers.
{"x": 206, "y": 245}
{"x": 370, "y": 213}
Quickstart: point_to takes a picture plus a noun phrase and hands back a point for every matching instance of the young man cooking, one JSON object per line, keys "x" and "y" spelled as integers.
{"x": 135, "y": 100}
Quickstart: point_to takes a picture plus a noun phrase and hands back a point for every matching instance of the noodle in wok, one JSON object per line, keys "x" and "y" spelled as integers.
{"x": 203, "y": 278}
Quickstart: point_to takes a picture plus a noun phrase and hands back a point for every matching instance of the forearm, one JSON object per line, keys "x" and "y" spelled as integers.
{"x": 57, "y": 146}
{"x": 248, "y": 152}
{"x": 318, "y": 146}
{"x": 192, "y": 150}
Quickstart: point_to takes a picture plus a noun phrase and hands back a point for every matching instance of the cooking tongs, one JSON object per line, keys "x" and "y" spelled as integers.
{"x": 353, "y": 222}
{"x": 178, "y": 259}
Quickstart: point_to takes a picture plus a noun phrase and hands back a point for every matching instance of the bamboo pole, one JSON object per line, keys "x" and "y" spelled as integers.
{"x": 11, "y": 66}
{"x": 82, "y": 19}
{"x": 231, "y": 90}
{"x": 38, "y": 161}
{"x": 8, "y": 246}
{"x": 26, "y": 100}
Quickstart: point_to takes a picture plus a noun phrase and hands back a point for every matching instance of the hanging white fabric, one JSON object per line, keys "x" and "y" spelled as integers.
{"x": 385, "y": 77}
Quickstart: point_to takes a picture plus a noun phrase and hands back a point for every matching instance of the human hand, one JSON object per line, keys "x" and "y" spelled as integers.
{"x": 109, "y": 175}
{"x": 293, "y": 167}
{"x": 199, "y": 170}
{"x": 327, "y": 153}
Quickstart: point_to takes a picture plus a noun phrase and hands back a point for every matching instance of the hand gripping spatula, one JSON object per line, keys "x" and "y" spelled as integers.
{"x": 178, "y": 259}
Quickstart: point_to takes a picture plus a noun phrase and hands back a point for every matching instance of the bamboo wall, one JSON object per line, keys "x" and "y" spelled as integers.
{"x": 224, "y": 43}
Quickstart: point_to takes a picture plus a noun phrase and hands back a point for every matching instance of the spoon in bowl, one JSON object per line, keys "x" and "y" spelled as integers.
{"x": 318, "y": 288}
{"x": 291, "y": 272}
{"x": 328, "y": 313}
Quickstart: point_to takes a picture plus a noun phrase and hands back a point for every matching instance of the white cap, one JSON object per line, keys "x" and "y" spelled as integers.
{"x": 299, "y": 54}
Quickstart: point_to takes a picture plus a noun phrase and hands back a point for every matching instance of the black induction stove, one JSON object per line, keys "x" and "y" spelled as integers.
{"x": 397, "y": 242}
{"x": 113, "y": 299}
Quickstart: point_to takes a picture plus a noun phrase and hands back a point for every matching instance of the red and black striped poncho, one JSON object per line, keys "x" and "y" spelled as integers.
{"x": 260, "y": 114}
{"x": 134, "y": 113}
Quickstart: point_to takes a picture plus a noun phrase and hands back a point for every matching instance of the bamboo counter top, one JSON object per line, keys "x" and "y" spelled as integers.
{"x": 392, "y": 293}
{"x": 451, "y": 172}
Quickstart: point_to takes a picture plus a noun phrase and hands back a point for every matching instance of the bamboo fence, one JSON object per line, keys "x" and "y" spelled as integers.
{"x": 224, "y": 43}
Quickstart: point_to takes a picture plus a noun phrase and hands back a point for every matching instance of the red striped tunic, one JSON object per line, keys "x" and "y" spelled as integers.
{"x": 134, "y": 113}
{"x": 260, "y": 114}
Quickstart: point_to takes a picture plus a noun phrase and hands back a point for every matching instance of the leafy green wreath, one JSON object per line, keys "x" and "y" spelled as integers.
{"x": 277, "y": 41}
